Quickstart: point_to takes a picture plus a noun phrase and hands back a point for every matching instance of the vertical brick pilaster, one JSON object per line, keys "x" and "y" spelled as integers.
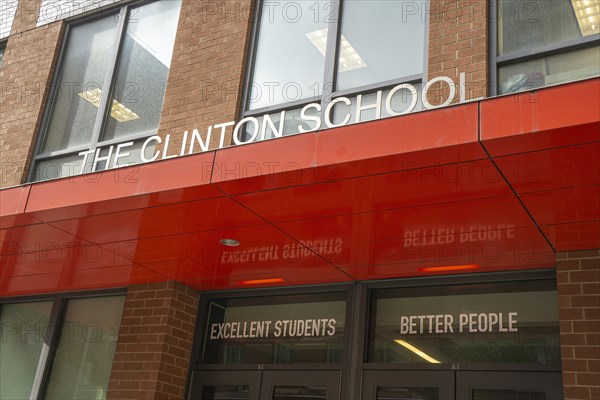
{"x": 458, "y": 42}
{"x": 206, "y": 78}
{"x": 25, "y": 77}
{"x": 155, "y": 342}
{"x": 578, "y": 280}
{"x": 26, "y": 16}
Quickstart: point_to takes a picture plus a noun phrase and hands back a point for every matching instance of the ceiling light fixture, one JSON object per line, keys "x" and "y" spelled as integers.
{"x": 417, "y": 351}
{"x": 449, "y": 268}
{"x": 229, "y": 242}
{"x": 588, "y": 16}
{"x": 262, "y": 281}
{"x": 349, "y": 57}
{"x": 118, "y": 111}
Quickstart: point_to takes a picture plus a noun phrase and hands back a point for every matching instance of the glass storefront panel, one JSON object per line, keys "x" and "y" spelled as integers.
{"x": 86, "y": 348}
{"x": 513, "y": 323}
{"x": 275, "y": 330}
{"x": 22, "y": 328}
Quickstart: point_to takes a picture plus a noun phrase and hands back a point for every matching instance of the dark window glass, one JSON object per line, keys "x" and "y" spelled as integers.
{"x": 500, "y": 323}
{"x": 1, "y": 53}
{"x": 225, "y": 392}
{"x": 275, "y": 330}
{"x": 22, "y": 330}
{"x": 502, "y": 394}
{"x": 299, "y": 393}
{"x": 407, "y": 393}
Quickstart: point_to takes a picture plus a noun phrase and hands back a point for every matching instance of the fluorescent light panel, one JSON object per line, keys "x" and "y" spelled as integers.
{"x": 417, "y": 351}
{"x": 349, "y": 57}
{"x": 118, "y": 111}
{"x": 588, "y": 16}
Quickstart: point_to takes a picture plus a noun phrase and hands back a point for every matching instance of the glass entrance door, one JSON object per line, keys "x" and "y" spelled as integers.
{"x": 509, "y": 385}
{"x": 461, "y": 385}
{"x": 265, "y": 385}
{"x": 408, "y": 385}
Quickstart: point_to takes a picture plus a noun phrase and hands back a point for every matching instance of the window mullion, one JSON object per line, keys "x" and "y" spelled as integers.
{"x": 51, "y": 336}
{"x": 333, "y": 42}
{"x": 108, "y": 79}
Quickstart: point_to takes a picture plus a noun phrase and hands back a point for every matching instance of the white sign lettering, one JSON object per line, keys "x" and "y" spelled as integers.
{"x": 256, "y": 127}
{"x": 287, "y": 328}
{"x": 465, "y": 323}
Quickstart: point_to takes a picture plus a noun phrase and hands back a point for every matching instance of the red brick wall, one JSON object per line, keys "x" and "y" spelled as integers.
{"x": 155, "y": 342}
{"x": 206, "y": 79}
{"x": 458, "y": 32}
{"x": 578, "y": 276}
{"x": 25, "y": 75}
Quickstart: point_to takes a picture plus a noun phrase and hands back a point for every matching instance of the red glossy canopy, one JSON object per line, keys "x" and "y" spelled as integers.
{"x": 498, "y": 184}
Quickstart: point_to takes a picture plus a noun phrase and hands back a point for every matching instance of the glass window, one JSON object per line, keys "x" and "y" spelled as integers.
{"x": 484, "y": 323}
{"x": 80, "y": 119}
{"x": 22, "y": 328}
{"x": 313, "y": 51}
{"x": 275, "y": 330}
{"x": 143, "y": 70}
{"x": 83, "y": 71}
{"x": 380, "y": 41}
{"x": 559, "y": 40}
{"x": 550, "y": 70}
{"x": 86, "y": 348}
{"x": 2, "y": 47}
{"x": 290, "y": 53}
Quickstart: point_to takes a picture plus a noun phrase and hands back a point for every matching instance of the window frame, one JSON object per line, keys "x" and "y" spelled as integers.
{"x": 55, "y": 324}
{"x": 121, "y": 11}
{"x": 334, "y": 33}
{"x": 496, "y": 61}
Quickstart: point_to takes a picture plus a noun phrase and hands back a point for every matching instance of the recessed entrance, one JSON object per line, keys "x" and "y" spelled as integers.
{"x": 477, "y": 337}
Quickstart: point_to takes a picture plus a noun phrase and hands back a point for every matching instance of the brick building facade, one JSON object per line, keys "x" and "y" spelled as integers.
{"x": 164, "y": 256}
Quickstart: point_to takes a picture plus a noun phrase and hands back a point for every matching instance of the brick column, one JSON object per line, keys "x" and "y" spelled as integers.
{"x": 578, "y": 277}
{"x": 25, "y": 77}
{"x": 458, "y": 42}
{"x": 155, "y": 342}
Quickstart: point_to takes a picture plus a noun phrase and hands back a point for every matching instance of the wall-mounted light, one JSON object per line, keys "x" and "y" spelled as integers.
{"x": 229, "y": 242}
{"x": 262, "y": 281}
{"x": 446, "y": 268}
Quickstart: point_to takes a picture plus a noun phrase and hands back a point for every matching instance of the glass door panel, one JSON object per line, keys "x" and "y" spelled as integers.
{"x": 408, "y": 385}
{"x": 300, "y": 385}
{"x": 225, "y": 385}
{"x": 509, "y": 385}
